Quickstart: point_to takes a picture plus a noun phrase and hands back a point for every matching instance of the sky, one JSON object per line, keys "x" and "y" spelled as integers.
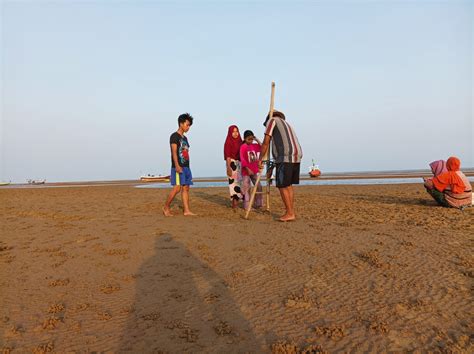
{"x": 91, "y": 90}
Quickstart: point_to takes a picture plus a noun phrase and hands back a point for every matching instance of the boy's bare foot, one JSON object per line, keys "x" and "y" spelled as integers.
{"x": 189, "y": 213}
{"x": 167, "y": 211}
{"x": 286, "y": 218}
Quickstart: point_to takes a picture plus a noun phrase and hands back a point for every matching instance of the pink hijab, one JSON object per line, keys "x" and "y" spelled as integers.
{"x": 438, "y": 167}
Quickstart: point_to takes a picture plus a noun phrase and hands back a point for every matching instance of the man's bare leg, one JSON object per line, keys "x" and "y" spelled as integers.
{"x": 287, "y": 195}
{"x": 292, "y": 200}
{"x": 166, "y": 209}
{"x": 185, "y": 197}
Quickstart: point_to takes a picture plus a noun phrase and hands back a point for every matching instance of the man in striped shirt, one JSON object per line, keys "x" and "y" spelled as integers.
{"x": 287, "y": 153}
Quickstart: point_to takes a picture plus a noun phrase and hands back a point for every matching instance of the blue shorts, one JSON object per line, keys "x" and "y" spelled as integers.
{"x": 184, "y": 178}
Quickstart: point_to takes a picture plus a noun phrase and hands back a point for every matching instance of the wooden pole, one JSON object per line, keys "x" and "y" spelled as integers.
{"x": 267, "y": 153}
{"x": 269, "y": 181}
{"x": 265, "y": 158}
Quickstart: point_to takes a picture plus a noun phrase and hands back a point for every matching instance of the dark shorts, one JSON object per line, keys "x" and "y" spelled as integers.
{"x": 184, "y": 178}
{"x": 287, "y": 174}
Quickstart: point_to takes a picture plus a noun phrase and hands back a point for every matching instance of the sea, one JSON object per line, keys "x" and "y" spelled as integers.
{"x": 306, "y": 182}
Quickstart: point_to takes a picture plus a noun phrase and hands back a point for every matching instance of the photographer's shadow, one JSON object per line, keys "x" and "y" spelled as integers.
{"x": 182, "y": 305}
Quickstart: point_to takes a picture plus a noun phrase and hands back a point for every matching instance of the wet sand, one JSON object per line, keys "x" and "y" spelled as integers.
{"x": 364, "y": 268}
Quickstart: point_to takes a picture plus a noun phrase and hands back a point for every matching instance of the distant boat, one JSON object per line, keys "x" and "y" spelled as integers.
{"x": 5, "y": 183}
{"x": 314, "y": 171}
{"x": 36, "y": 181}
{"x": 153, "y": 178}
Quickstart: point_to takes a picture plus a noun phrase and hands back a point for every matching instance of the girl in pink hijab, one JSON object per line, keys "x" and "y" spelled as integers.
{"x": 438, "y": 167}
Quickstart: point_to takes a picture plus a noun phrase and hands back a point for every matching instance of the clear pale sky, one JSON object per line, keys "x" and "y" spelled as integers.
{"x": 91, "y": 90}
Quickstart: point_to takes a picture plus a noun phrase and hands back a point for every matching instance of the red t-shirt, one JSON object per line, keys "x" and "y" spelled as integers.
{"x": 249, "y": 155}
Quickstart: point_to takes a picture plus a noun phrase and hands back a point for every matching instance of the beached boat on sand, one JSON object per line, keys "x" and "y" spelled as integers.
{"x": 5, "y": 183}
{"x": 36, "y": 181}
{"x": 314, "y": 170}
{"x": 153, "y": 178}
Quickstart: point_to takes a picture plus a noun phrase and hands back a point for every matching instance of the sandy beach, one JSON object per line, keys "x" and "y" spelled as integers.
{"x": 363, "y": 269}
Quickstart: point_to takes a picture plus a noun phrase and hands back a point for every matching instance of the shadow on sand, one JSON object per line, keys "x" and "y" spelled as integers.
{"x": 385, "y": 199}
{"x": 213, "y": 198}
{"x": 225, "y": 202}
{"x": 182, "y": 305}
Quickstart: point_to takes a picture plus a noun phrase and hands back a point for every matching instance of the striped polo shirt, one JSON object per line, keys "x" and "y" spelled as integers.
{"x": 285, "y": 145}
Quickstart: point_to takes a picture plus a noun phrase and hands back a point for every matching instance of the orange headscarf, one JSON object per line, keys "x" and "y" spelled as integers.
{"x": 450, "y": 178}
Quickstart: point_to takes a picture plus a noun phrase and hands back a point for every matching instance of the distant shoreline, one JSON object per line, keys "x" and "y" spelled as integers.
{"x": 324, "y": 177}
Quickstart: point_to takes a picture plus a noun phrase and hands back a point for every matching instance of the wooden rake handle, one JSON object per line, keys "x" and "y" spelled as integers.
{"x": 254, "y": 190}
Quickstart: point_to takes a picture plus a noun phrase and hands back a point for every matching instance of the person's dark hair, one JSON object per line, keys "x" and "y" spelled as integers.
{"x": 185, "y": 117}
{"x": 248, "y": 133}
{"x": 275, "y": 114}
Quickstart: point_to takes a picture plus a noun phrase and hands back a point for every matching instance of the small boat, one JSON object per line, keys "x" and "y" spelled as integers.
{"x": 5, "y": 183}
{"x": 153, "y": 178}
{"x": 36, "y": 181}
{"x": 314, "y": 171}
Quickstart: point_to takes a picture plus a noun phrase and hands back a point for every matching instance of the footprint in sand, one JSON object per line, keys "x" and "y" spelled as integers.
{"x": 56, "y": 308}
{"x": 52, "y": 322}
{"x": 109, "y": 288}
{"x": 283, "y": 347}
{"x": 59, "y": 282}
{"x": 43, "y": 348}
{"x": 333, "y": 332}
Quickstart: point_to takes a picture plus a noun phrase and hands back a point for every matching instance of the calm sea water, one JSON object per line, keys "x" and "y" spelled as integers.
{"x": 198, "y": 184}
{"x": 312, "y": 182}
